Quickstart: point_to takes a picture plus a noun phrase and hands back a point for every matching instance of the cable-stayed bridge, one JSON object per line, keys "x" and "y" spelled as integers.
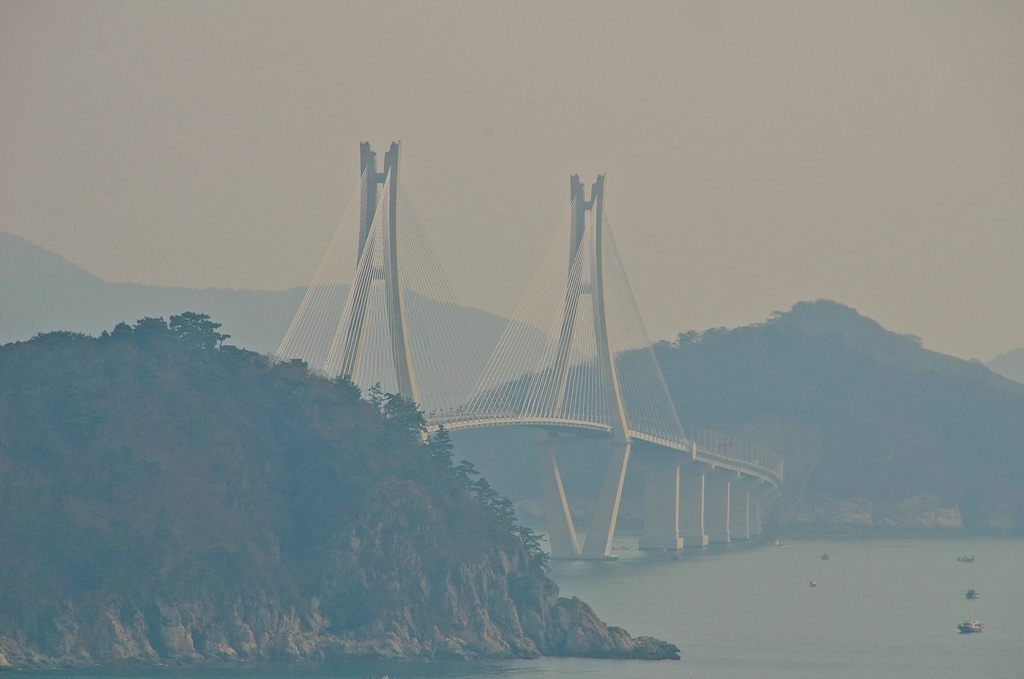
{"x": 574, "y": 363}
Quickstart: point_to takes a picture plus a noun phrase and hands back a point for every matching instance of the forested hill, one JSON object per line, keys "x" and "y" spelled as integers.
{"x": 877, "y": 432}
{"x": 164, "y": 498}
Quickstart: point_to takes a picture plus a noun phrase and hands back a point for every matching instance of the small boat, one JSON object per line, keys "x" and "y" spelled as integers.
{"x": 824, "y": 557}
{"x": 969, "y": 626}
{"x": 813, "y": 583}
{"x": 973, "y": 594}
{"x": 963, "y": 558}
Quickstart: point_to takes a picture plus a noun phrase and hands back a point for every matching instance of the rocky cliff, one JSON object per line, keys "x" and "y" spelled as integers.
{"x": 492, "y": 609}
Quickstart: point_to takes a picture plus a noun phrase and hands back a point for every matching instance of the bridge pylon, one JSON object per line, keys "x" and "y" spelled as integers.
{"x": 602, "y": 525}
{"x": 581, "y": 284}
{"x": 378, "y": 261}
{"x": 557, "y": 367}
{"x": 379, "y": 310}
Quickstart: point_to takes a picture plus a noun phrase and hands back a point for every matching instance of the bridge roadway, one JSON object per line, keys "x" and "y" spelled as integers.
{"x": 694, "y": 494}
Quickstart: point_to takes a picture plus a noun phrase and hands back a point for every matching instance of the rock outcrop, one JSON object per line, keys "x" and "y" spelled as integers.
{"x": 486, "y": 617}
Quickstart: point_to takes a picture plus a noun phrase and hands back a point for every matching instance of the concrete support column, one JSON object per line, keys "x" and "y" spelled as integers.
{"x": 598, "y": 544}
{"x": 691, "y": 506}
{"x": 716, "y": 504}
{"x": 561, "y": 533}
{"x": 756, "y": 497}
{"x": 756, "y": 514}
{"x": 738, "y": 512}
{"x": 766, "y": 495}
{"x": 741, "y": 499}
{"x": 661, "y": 508}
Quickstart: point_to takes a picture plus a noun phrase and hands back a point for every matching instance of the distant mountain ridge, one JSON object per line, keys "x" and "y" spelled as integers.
{"x": 877, "y": 433}
{"x": 41, "y": 291}
{"x": 866, "y": 336}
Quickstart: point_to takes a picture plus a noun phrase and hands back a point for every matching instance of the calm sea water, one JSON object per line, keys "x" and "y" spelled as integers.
{"x": 882, "y": 608}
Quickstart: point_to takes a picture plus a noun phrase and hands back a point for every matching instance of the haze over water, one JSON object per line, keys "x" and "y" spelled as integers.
{"x": 882, "y": 608}
{"x": 885, "y": 608}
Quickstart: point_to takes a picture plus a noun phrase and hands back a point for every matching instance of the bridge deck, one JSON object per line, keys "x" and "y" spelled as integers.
{"x": 758, "y": 462}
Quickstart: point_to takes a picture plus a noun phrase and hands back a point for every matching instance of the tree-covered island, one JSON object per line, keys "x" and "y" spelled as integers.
{"x": 169, "y": 498}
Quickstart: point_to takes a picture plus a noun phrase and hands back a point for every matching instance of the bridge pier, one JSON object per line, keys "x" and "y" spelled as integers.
{"x": 738, "y": 507}
{"x": 758, "y": 498}
{"x": 717, "y": 504}
{"x": 755, "y": 512}
{"x": 691, "y": 505}
{"x": 661, "y": 507}
{"x": 762, "y": 497}
{"x": 741, "y": 499}
{"x": 598, "y": 544}
{"x": 561, "y": 533}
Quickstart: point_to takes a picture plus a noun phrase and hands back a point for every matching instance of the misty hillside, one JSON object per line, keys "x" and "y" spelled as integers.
{"x": 42, "y": 292}
{"x": 877, "y": 433}
{"x": 163, "y": 500}
{"x": 1009, "y": 364}
{"x": 872, "y": 426}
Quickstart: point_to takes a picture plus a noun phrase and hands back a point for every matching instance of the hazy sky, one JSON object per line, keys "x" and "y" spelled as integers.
{"x": 757, "y": 153}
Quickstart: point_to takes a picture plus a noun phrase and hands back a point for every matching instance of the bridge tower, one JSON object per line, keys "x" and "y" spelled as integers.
{"x": 376, "y": 266}
{"x": 575, "y": 362}
{"x": 602, "y": 526}
{"x": 379, "y": 309}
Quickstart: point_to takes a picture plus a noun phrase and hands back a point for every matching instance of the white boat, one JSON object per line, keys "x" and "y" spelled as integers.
{"x": 969, "y": 626}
